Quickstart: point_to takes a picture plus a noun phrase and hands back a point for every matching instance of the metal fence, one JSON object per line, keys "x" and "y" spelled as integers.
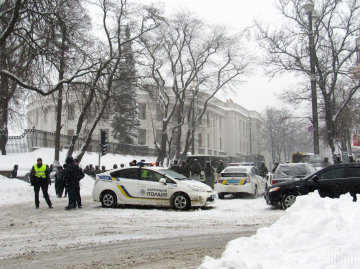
{"x": 33, "y": 138}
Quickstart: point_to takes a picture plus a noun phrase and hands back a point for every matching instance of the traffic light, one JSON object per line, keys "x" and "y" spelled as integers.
{"x": 103, "y": 142}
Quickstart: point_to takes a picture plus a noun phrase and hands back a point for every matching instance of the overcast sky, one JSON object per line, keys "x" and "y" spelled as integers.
{"x": 257, "y": 91}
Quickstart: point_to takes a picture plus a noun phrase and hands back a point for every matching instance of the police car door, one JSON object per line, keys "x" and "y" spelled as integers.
{"x": 127, "y": 183}
{"x": 151, "y": 190}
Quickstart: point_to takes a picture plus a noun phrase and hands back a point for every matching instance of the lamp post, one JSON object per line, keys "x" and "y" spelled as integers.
{"x": 309, "y": 9}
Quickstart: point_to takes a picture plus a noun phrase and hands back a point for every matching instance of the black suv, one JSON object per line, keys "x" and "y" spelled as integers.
{"x": 330, "y": 182}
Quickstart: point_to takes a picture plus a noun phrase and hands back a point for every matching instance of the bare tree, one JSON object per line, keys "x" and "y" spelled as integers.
{"x": 182, "y": 57}
{"x": 116, "y": 17}
{"x": 335, "y": 52}
{"x": 284, "y": 134}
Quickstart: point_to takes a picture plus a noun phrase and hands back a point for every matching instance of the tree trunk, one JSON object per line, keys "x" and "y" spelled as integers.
{"x": 4, "y": 101}
{"x": 80, "y": 122}
{"x": 59, "y": 100}
{"x": 330, "y": 124}
{"x": 162, "y": 150}
{"x": 58, "y": 123}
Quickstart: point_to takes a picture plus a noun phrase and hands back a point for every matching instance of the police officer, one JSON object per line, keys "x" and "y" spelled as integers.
{"x": 196, "y": 168}
{"x": 71, "y": 174}
{"x": 209, "y": 175}
{"x": 77, "y": 186}
{"x": 185, "y": 169}
{"x": 40, "y": 178}
{"x": 263, "y": 169}
{"x": 175, "y": 166}
{"x": 221, "y": 167}
{"x": 59, "y": 182}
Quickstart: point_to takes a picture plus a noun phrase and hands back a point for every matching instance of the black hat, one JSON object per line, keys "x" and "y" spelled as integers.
{"x": 69, "y": 160}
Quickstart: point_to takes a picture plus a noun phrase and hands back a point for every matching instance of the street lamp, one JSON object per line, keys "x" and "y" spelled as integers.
{"x": 309, "y": 9}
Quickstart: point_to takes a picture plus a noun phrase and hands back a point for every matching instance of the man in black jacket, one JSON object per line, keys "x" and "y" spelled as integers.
{"x": 40, "y": 178}
{"x": 71, "y": 174}
{"x": 77, "y": 186}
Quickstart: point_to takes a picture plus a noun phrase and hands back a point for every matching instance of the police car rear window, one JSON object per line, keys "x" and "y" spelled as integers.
{"x": 126, "y": 173}
{"x": 233, "y": 174}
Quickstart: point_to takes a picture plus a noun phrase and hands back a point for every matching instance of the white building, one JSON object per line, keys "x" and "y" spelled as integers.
{"x": 226, "y": 128}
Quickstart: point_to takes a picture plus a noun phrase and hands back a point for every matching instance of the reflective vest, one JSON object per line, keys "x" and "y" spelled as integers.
{"x": 40, "y": 171}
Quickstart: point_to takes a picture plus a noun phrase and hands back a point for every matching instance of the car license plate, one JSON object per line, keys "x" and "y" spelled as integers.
{"x": 233, "y": 181}
{"x": 213, "y": 196}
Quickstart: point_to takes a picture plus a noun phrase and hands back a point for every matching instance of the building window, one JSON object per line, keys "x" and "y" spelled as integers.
{"x": 70, "y": 132}
{"x": 208, "y": 141}
{"x": 106, "y": 114}
{"x": 158, "y": 136}
{"x": 46, "y": 111}
{"x": 36, "y": 117}
{"x": 141, "y": 136}
{"x": 142, "y": 111}
{"x": 71, "y": 112}
{"x": 158, "y": 113}
{"x": 200, "y": 140}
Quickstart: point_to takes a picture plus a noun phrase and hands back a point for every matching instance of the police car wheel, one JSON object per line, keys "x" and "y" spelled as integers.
{"x": 181, "y": 202}
{"x": 221, "y": 195}
{"x": 108, "y": 199}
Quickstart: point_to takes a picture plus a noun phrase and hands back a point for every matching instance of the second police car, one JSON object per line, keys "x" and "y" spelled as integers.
{"x": 154, "y": 186}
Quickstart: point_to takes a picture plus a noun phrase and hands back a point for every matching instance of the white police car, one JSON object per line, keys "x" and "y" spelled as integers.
{"x": 240, "y": 179}
{"x": 155, "y": 186}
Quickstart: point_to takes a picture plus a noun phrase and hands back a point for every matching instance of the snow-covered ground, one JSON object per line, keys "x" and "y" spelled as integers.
{"x": 15, "y": 191}
{"x": 314, "y": 233}
{"x": 26, "y": 231}
{"x": 27, "y": 160}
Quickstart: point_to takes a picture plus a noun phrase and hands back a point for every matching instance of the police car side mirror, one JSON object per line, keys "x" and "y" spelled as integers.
{"x": 162, "y": 181}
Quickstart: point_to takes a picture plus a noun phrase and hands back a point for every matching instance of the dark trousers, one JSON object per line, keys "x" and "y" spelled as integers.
{"x": 72, "y": 196}
{"x": 77, "y": 196}
{"x": 44, "y": 188}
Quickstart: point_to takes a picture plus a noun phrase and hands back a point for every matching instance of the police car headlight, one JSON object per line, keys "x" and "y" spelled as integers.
{"x": 195, "y": 188}
{"x": 274, "y": 189}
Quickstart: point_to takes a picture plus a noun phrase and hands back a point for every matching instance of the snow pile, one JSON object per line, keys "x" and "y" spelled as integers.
{"x": 14, "y": 191}
{"x": 314, "y": 233}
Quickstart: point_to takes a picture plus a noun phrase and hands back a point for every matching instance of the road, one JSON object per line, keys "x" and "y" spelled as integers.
{"x": 128, "y": 237}
{"x": 178, "y": 252}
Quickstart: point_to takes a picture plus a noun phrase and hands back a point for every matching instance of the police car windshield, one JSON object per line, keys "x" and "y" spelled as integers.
{"x": 172, "y": 174}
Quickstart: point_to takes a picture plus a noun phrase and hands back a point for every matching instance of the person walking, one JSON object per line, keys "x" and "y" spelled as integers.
{"x": 71, "y": 174}
{"x": 14, "y": 171}
{"x": 77, "y": 185}
{"x": 209, "y": 175}
{"x": 59, "y": 182}
{"x": 40, "y": 178}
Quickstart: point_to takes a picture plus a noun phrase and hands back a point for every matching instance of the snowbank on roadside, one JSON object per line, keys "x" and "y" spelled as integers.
{"x": 314, "y": 233}
{"x": 14, "y": 191}
{"x": 27, "y": 160}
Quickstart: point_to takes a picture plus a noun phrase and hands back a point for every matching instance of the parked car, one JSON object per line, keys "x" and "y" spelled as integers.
{"x": 240, "y": 179}
{"x": 330, "y": 182}
{"x": 153, "y": 186}
{"x": 291, "y": 171}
